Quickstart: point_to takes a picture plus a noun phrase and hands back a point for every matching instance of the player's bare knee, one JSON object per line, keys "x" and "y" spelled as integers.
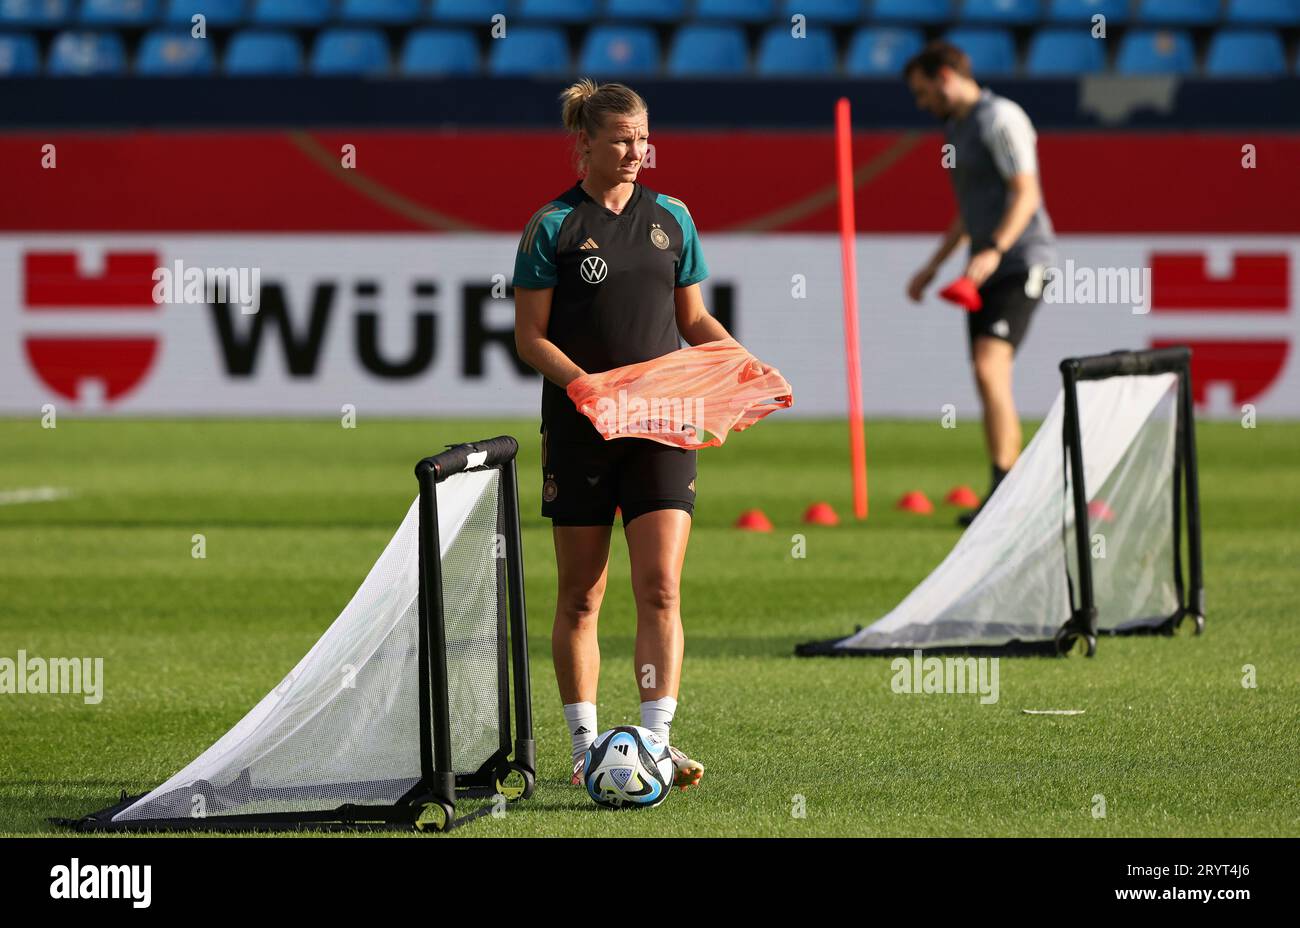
{"x": 580, "y": 607}
{"x": 992, "y": 373}
{"x": 658, "y": 593}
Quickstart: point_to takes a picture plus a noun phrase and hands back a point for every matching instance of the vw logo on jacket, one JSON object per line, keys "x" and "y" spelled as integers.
{"x": 593, "y": 269}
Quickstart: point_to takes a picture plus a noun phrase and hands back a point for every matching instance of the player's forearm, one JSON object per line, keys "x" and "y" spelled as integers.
{"x": 704, "y": 329}
{"x": 1024, "y": 203}
{"x": 952, "y": 239}
{"x": 545, "y": 357}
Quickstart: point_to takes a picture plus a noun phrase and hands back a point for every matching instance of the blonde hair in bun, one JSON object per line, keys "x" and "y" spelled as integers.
{"x": 585, "y": 106}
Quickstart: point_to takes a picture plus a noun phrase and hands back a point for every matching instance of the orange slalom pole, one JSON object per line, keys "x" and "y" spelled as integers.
{"x": 849, "y": 267}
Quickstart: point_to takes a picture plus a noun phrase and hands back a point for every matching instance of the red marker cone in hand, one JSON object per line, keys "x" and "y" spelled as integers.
{"x": 963, "y": 292}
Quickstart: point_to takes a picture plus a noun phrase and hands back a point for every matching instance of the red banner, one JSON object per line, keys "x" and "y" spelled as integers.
{"x": 285, "y": 181}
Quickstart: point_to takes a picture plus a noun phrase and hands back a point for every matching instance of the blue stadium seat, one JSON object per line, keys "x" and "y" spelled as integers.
{"x": 35, "y": 13}
{"x": 646, "y": 10}
{"x": 1082, "y": 11}
{"x": 708, "y": 48}
{"x": 991, "y": 51}
{"x": 1155, "y": 51}
{"x": 779, "y": 53}
{"x": 349, "y": 51}
{"x": 529, "y": 50}
{"x": 81, "y": 54}
{"x": 291, "y": 12}
{"x": 217, "y": 12}
{"x": 825, "y": 11}
{"x": 1264, "y": 12}
{"x": 385, "y": 12}
{"x": 174, "y": 53}
{"x": 618, "y": 49}
{"x": 478, "y": 12}
{"x": 19, "y": 55}
{"x": 912, "y": 11}
{"x": 881, "y": 51}
{"x": 739, "y": 11}
{"x": 1003, "y": 12}
{"x": 1177, "y": 12}
{"x": 557, "y": 11}
{"x": 118, "y": 12}
{"x": 1064, "y": 52}
{"x": 1245, "y": 53}
{"x": 440, "y": 51}
{"x": 257, "y": 52}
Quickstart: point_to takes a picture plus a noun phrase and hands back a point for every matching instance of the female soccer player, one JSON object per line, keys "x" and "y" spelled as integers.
{"x": 608, "y": 274}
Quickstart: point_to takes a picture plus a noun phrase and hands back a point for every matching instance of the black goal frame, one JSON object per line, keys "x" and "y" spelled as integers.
{"x": 1079, "y": 633}
{"x": 430, "y": 805}
{"x": 511, "y": 770}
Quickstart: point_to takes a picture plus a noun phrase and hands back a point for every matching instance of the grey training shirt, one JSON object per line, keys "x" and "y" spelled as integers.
{"x": 995, "y": 142}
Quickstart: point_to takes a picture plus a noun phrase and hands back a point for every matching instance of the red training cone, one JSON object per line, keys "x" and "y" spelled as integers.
{"x": 1100, "y": 512}
{"x": 753, "y": 520}
{"x": 916, "y": 502}
{"x": 962, "y": 496}
{"x": 964, "y": 293}
{"x": 820, "y": 514}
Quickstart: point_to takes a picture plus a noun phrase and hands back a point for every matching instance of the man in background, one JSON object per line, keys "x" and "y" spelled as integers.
{"x": 1000, "y": 212}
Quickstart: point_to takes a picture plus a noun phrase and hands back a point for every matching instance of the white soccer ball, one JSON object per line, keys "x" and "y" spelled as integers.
{"x": 628, "y": 767}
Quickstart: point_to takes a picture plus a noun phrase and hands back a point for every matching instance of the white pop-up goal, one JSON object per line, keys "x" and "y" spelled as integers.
{"x": 403, "y": 705}
{"x": 1052, "y": 560}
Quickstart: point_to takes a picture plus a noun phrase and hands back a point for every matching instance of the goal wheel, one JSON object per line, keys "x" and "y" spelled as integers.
{"x": 435, "y": 816}
{"x": 1197, "y": 626}
{"x": 515, "y": 781}
{"x": 1069, "y": 641}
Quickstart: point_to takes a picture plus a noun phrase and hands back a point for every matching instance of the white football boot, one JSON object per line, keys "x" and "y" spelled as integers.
{"x": 688, "y": 772}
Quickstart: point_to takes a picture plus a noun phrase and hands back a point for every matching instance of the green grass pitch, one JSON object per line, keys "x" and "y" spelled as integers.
{"x": 295, "y": 512}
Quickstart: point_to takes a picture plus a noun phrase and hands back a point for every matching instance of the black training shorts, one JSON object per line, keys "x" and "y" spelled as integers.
{"x": 1009, "y": 303}
{"x": 583, "y": 482}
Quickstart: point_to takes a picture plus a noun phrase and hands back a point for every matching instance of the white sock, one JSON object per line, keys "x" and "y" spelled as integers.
{"x": 581, "y": 719}
{"x": 657, "y": 715}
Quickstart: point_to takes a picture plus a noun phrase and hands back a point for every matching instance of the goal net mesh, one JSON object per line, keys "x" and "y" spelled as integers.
{"x": 1009, "y": 576}
{"x": 344, "y": 725}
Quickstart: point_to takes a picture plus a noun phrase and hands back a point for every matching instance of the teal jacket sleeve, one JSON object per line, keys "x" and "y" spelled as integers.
{"x": 691, "y": 269}
{"x": 535, "y": 259}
